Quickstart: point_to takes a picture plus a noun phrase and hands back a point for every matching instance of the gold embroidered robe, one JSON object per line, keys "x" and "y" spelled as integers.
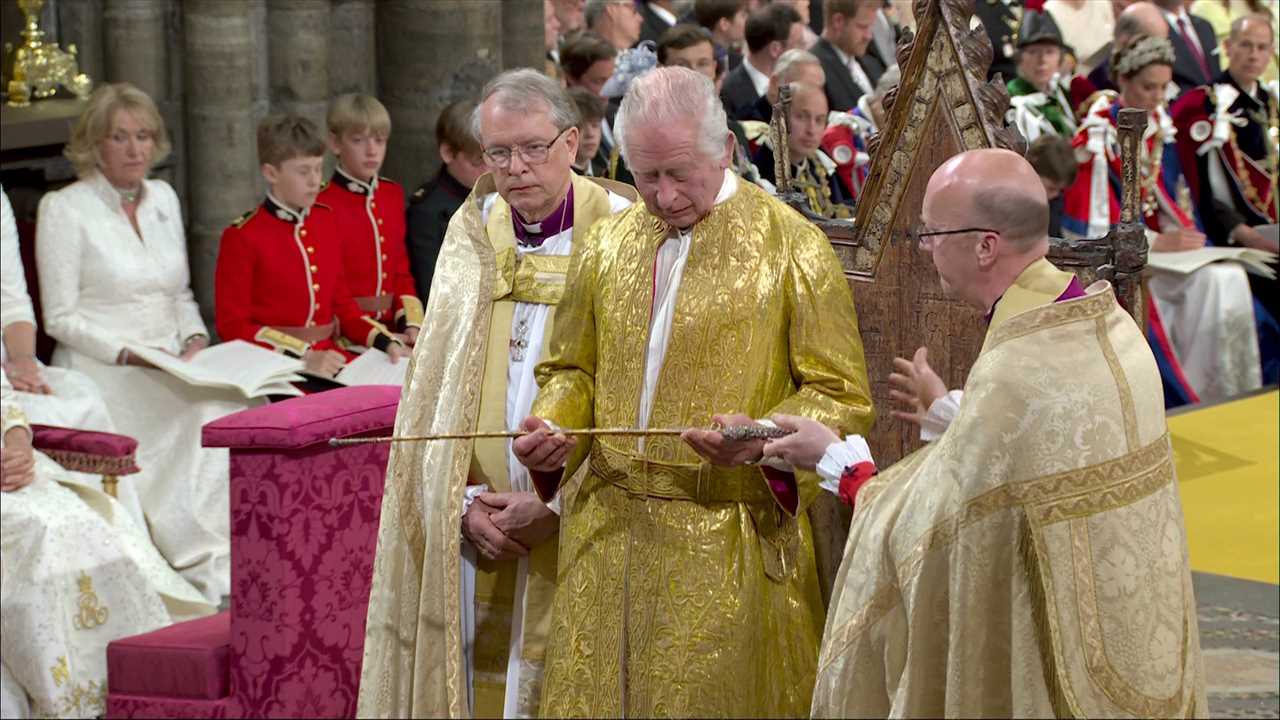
{"x": 1032, "y": 561}
{"x": 413, "y": 656}
{"x": 686, "y": 589}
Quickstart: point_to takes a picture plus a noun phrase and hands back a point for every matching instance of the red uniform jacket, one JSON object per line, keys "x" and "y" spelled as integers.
{"x": 280, "y": 269}
{"x": 371, "y": 227}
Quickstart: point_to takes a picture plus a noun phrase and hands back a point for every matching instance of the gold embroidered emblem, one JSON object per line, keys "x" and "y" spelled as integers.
{"x": 61, "y": 673}
{"x": 91, "y": 615}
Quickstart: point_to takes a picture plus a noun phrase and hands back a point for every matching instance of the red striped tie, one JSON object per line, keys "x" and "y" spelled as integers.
{"x": 1190, "y": 39}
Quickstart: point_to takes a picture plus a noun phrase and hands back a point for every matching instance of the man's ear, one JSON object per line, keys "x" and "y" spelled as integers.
{"x": 730, "y": 144}
{"x": 447, "y": 153}
{"x": 572, "y": 137}
{"x": 270, "y": 173}
{"x": 987, "y": 249}
{"x": 776, "y": 49}
{"x": 335, "y": 143}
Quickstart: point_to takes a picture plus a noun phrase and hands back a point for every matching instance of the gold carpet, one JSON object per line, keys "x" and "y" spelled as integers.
{"x": 1229, "y": 469}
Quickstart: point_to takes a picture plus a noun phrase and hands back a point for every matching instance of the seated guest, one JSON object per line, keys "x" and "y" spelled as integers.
{"x": 1038, "y": 104}
{"x": 279, "y": 280}
{"x": 769, "y": 33}
{"x": 847, "y": 135}
{"x": 1203, "y": 322}
{"x": 111, "y": 256}
{"x": 795, "y": 66}
{"x": 1195, "y": 46}
{"x": 78, "y": 572}
{"x": 1221, "y": 14}
{"x": 617, "y": 21}
{"x": 591, "y": 110}
{"x": 369, "y": 213}
{"x": 726, "y": 20}
{"x": 656, "y": 17}
{"x": 439, "y": 198}
{"x": 852, "y": 70}
{"x": 690, "y": 46}
{"x": 587, "y": 60}
{"x": 1229, "y": 157}
{"x": 813, "y": 173}
{"x": 49, "y": 396}
{"x": 1139, "y": 18}
{"x": 551, "y": 39}
{"x": 1054, "y": 161}
{"x": 569, "y": 15}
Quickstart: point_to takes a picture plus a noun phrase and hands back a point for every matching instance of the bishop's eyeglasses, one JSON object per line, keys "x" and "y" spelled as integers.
{"x": 922, "y": 239}
{"x": 534, "y": 153}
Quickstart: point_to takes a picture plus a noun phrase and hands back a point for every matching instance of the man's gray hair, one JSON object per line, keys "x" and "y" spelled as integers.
{"x": 669, "y": 96}
{"x": 795, "y": 56}
{"x": 520, "y": 90}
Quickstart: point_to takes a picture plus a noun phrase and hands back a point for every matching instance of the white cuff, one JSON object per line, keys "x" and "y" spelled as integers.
{"x": 473, "y": 491}
{"x": 554, "y": 505}
{"x": 839, "y": 456}
{"x": 941, "y": 413}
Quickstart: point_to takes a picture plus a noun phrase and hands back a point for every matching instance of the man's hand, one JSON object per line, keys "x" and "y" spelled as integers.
{"x": 325, "y": 363}
{"x": 1178, "y": 240}
{"x": 479, "y": 530}
{"x": 411, "y": 336}
{"x": 194, "y": 346}
{"x": 916, "y": 386}
{"x": 711, "y": 444}
{"x": 541, "y": 450}
{"x": 398, "y": 350}
{"x": 17, "y": 460}
{"x": 522, "y": 517}
{"x": 26, "y": 375}
{"x": 805, "y": 446}
{"x": 1251, "y": 238}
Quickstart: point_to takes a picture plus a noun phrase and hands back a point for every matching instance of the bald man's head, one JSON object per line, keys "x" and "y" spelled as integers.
{"x": 1140, "y": 18}
{"x": 997, "y": 189}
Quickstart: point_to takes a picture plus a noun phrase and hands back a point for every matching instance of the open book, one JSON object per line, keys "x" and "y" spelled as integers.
{"x": 1258, "y": 262}
{"x": 238, "y": 365}
{"x": 373, "y": 367}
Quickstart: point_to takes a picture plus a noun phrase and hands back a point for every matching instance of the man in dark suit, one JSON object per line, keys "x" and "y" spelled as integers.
{"x": 658, "y": 16}
{"x": 844, "y": 51}
{"x": 770, "y": 32}
{"x": 1000, "y": 18}
{"x": 1195, "y": 47}
{"x": 1140, "y": 18}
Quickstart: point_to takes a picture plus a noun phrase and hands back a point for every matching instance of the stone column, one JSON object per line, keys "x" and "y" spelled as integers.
{"x": 136, "y": 48}
{"x": 430, "y": 53}
{"x": 523, "y": 36}
{"x": 298, "y": 46}
{"x": 221, "y": 153}
{"x": 353, "y": 55}
{"x": 79, "y": 23}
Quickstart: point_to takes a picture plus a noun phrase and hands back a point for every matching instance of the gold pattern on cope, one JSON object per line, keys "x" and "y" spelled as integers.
{"x": 686, "y": 589}
{"x": 1043, "y": 533}
{"x": 90, "y": 614}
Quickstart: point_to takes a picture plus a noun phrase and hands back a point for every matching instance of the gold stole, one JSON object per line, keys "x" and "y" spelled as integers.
{"x": 1040, "y": 284}
{"x": 521, "y": 278}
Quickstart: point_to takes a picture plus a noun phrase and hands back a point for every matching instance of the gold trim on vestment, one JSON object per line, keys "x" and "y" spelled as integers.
{"x": 1127, "y": 408}
{"x": 1090, "y": 306}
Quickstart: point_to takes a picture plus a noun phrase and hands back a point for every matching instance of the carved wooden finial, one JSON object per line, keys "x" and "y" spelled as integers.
{"x": 1132, "y": 123}
{"x": 781, "y": 135}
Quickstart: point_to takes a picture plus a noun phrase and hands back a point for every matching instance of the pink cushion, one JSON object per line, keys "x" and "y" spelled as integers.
{"x": 188, "y": 660}
{"x": 87, "y": 451}
{"x": 310, "y": 420}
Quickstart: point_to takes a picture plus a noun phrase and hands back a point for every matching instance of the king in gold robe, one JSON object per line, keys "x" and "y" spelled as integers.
{"x": 688, "y": 589}
{"x": 1031, "y": 562}
{"x": 449, "y": 632}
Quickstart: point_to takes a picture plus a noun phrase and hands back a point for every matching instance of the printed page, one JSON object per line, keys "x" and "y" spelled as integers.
{"x": 373, "y": 367}
{"x": 236, "y": 365}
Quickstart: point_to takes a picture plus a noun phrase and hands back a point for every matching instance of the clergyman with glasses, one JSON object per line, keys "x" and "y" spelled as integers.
{"x": 1031, "y": 561}
{"x": 466, "y": 561}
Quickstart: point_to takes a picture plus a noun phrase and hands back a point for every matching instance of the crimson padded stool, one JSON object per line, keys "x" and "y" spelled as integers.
{"x": 183, "y": 670}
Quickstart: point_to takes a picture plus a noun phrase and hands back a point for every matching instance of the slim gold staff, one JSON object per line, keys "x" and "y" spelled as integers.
{"x": 736, "y": 433}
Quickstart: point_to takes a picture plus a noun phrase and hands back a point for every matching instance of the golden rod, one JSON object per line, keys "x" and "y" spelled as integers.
{"x": 733, "y": 433}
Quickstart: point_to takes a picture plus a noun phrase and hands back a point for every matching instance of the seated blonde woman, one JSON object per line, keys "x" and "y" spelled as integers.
{"x": 50, "y": 396}
{"x": 77, "y": 574}
{"x": 112, "y": 260}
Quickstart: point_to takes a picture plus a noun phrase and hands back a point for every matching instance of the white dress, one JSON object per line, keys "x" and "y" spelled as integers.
{"x": 75, "y": 402}
{"x": 102, "y": 287}
{"x": 77, "y": 574}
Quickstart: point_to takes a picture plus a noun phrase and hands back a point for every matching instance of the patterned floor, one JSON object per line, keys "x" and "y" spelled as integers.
{"x": 1240, "y": 639}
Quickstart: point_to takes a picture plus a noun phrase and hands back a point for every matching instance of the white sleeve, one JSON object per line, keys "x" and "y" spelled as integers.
{"x": 839, "y": 456}
{"x": 941, "y": 413}
{"x": 15, "y": 303}
{"x": 11, "y": 415}
{"x": 58, "y": 259}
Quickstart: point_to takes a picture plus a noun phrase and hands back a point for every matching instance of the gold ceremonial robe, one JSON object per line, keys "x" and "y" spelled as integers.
{"x": 1033, "y": 560}
{"x": 687, "y": 589}
{"x": 413, "y": 659}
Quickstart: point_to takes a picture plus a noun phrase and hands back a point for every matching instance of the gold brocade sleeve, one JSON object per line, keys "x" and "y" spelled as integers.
{"x": 827, "y": 362}
{"x": 566, "y": 379}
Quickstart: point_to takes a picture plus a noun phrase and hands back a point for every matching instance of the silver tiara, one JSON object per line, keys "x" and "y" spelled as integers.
{"x": 1147, "y": 50}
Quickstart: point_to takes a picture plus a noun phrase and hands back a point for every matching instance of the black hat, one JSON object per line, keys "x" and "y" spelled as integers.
{"x": 1038, "y": 27}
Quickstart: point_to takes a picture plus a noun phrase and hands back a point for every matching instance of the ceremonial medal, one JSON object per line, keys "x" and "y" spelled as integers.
{"x": 519, "y": 341}
{"x": 1201, "y": 130}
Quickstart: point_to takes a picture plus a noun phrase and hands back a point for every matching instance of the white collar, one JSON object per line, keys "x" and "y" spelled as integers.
{"x": 663, "y": 13}
{"x": 758, "y": 79}
{"x": 109, "y": 193}
{"x": 1173, "y": 17}
{"x": 728, "y": 187}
